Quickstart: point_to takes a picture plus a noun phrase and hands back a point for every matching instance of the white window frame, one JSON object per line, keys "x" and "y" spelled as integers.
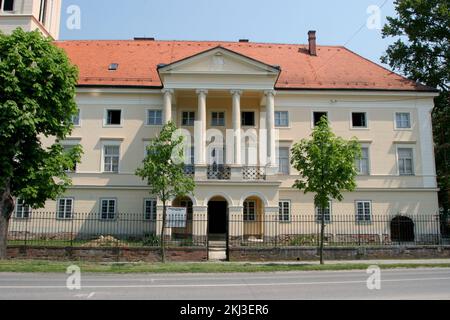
{"x": 65, "y": 215}
{"x": 77, "y": 125}
{"x": 248, "y": 214}
{"x": 3, "y": 5}
{"x": 147, "y": 112}
{"x": 105, "y": 118}
{"x": 363, "y": 146}
{"x": 413, "y": 160}
{"x": 70, "y": 145}
{"x": 359, "y": 128}
{"x": 110, "y": 144}
{"x": 189, "y": 118}
{"x": 364, "y": 220}
{"x": 224, "y": 118}
{"x": 288, "y": 124}
{"x": 289, "y": 160}
{"x": 108, "y": 213}
{"x": 410, "y": 121}
{"x": 316, "y": 212}
{"x": 19, "y": 214}
{"x": 313, "y": 125}
{"x": 153, "y": 215}
{"x": 281, "y": 206}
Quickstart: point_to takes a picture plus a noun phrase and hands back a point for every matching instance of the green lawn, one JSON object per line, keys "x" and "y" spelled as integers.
{"x": 205, "y": 267}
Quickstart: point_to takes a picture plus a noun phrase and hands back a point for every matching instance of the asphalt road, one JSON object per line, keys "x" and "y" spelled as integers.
{"x": 395, "y": 284}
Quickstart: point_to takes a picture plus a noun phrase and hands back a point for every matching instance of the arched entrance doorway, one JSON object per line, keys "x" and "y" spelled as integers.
{"x": 217, "y": 218}
{"x": 402, "y": 229}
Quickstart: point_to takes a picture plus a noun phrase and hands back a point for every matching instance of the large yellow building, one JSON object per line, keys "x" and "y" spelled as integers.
{"x": 260, "y": 98}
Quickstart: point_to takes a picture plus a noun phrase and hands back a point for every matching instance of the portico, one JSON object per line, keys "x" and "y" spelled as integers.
{"x": 221, "y": 80}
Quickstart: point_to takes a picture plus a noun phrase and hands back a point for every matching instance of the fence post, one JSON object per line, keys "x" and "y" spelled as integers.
{"x": 26, "y": 231}
{"x": 71, "y": 230}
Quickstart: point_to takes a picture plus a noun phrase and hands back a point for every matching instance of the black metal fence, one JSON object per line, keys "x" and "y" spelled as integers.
{"x": 271, "y": 230}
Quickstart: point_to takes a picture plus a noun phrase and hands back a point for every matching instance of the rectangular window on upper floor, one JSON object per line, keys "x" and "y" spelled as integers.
{"x": 405, "y": 161}
{"x": 403, "y": 120}
{"x": 359, "y": 120}
{"x": 217, "y": 119}
{"x": 154, "y": 117}
{"x": 283, "y": 160}
{"x": 188, "y": 118}
{"x": 7, "y": 5}
{"x": 362, "y": 164}
{"x": 248, "y": 119}
{"x": 76, "y": 118}
{"x": 281, "y": 119}
{"x": 111, "y": 157}
{"x": 113, "y": 117}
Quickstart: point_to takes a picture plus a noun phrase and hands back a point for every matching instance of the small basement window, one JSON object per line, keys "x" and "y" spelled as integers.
{"x": 113, "y": 67}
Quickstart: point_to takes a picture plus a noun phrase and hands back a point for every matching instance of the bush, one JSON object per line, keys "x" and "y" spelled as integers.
{"x": 151, "y": 240}
{"x": 303, "y": 240}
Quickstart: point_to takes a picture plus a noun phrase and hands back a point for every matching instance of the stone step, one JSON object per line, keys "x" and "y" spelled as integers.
{"x": 218, "y": 255}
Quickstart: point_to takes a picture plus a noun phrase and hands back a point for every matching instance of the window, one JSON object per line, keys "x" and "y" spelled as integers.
{"x": 405, "y": 161}
{"x": 76, "y": 118}
{"x": 113, "y": 67}
{"x": 108, "y": 209}
{"x": 23, "y": 211}
{"x": 326, "y": 212}
{"x": 188, "y": 118}
{"x": 8, "y": 5}
{"x": 362, "y": 165}
{"x": 67, "y": 149}
{"x": 359, "y": 120}
{"x": 248, "y": 118}
{"x": 154, "y": 117}
{"x": 111, "y": 159}
{"x": 283, "y": 160}
{"x": 284, "y": 210}
{"x": 150, "y": 212}
{"x": 65, "y": 208}
{"x": 43, "y": 11}
{"x": 218, "y": 119}
{"x": 317, "y": 116}
{"x": 281, "y": 119}
{"x": 249, "y": 211}
{"x": 403, "y": 120}
{"x": 363, "y": 211}
{"x": 113, "y": 117}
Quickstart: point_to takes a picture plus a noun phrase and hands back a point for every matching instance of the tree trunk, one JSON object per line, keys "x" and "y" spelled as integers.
{"x": 322, "y": 234}
{"x": 163, "y": 233}
{"x": 6, "y": 209}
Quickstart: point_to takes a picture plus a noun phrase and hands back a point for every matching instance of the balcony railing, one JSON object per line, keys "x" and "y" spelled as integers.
{"x": 254, "y": 173}
{"x": 219, "y": 172}
{"x": 189, "y": 170}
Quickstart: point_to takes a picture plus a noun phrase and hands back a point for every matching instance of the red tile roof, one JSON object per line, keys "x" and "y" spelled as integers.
{"x": 334, "y": 67}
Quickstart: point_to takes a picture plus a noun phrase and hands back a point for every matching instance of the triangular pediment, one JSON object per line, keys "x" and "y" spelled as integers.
{"x": 219, "y": 60}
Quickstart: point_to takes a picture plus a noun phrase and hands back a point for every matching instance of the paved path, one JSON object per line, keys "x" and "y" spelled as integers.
{"x": 395, "y": 284}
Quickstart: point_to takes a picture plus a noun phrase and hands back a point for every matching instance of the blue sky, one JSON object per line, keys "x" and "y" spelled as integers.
{"x": 281, "y": 21}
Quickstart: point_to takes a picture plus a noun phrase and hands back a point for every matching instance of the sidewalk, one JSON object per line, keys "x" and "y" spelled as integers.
{"x": 333, "y": 262}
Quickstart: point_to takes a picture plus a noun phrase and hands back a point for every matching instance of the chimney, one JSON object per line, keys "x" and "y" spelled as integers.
{"x": 312, "y": 43}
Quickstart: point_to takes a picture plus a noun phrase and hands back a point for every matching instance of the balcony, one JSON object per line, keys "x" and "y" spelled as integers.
{"x": 253, "y": 173}
{"x": 219, "y": 172}
{"x": 189, "y": 170}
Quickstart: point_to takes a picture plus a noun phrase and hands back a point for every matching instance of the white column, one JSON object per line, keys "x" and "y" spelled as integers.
{"x": 200, "y": 146}
{"x": 237, "y": 125}
{"x": 168, "y": 97}
{"x": 270, "y": 125}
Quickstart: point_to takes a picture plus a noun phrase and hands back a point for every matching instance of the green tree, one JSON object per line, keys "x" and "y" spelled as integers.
{"x": 163, "y": 169}
{"x": 37, "y": 91}
{"x": 326, "y": 166}
{"x": 422, "y": 53}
